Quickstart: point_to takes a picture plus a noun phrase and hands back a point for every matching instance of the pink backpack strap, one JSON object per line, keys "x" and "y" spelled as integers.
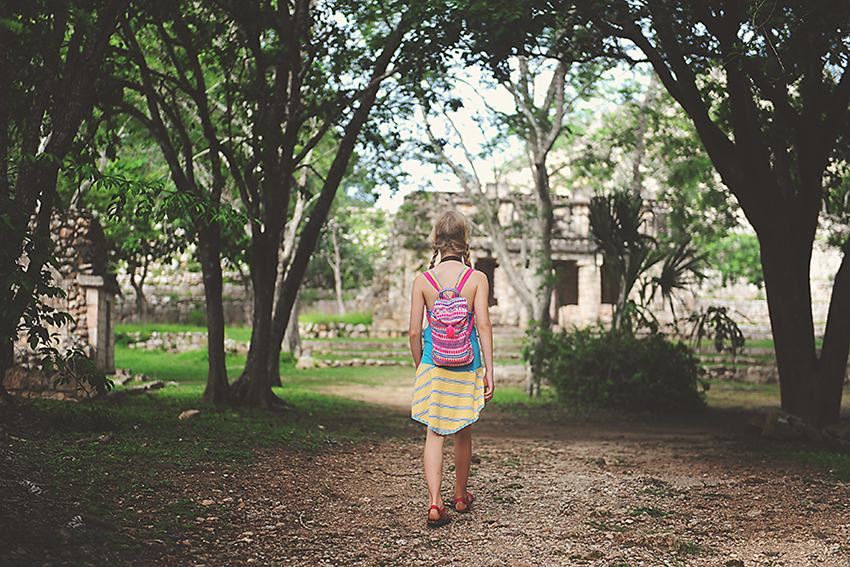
{"x": 463, "y": 279}
{"x": 431, "y": 279}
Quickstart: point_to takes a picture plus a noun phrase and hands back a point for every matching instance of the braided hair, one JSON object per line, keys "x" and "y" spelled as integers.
{"x": 451, "y": 234}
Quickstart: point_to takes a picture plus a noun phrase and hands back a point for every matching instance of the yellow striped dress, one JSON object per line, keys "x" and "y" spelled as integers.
{"x": 447, "y": 400}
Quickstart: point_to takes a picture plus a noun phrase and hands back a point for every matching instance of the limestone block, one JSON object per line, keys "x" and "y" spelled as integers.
{"x": 190, "y": 414}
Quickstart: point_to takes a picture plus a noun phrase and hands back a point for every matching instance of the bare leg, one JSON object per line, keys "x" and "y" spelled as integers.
{"x": 434, "y": 470}
{"x": 463, "y": 459}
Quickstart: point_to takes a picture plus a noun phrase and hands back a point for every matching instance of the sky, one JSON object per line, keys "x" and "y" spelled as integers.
{"x": 471, "y": 89}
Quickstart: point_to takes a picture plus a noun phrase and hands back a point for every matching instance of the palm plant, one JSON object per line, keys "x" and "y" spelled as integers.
{"x": 616, "y": 222}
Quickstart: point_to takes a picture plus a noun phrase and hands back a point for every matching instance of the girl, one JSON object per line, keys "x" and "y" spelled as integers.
{"x": 449, "y": 399}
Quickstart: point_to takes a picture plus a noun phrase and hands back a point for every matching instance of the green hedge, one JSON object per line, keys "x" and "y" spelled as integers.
{"x": 617, "y": 370}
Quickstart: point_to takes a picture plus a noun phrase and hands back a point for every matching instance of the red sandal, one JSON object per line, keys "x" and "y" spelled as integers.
{"x": 466, "y": 501}
{"x": 441, "y": 521}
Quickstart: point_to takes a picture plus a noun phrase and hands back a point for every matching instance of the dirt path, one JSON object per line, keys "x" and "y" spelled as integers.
{"x": 616, "y": 493}
{"x": 688, "y": 491}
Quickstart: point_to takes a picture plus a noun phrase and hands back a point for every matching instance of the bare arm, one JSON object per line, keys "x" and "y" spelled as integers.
{"x": 485, "y": 331}
{"x": 417, "y": 311}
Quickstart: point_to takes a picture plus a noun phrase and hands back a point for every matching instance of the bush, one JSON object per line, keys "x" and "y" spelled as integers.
{"x": 616, "y": 370}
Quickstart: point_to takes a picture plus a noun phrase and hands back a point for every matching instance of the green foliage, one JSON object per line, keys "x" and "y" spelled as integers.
{"x": 715, "y": 322}
{"x": 75, "y": 367}
{"x": 362, "y": 233}
{"x": 184, "y": 367}
{"x": 26, "y": 288}
{"x": 617, "y": 370}
{"x": 737, "y": 256}
{"x": 617, "y": 222}
{"x": 126, "y": 197}
{"x": 647, "y": 122}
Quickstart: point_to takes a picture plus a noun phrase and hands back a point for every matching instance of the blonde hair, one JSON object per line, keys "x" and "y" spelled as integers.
{"x": 451, "y": 234}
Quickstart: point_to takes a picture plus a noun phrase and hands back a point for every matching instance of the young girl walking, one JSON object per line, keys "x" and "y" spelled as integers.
{"x": 447, "y": 396}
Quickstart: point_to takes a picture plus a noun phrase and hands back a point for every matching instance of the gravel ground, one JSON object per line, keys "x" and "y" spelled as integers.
{"x": 695, "y": 491}
{"x": 602, "y": 494}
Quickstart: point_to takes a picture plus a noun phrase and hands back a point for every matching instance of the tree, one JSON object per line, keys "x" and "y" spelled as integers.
{"x": 538, "y": 121}
{"x": 50, "y": 61}
{"x": 138, "y": 235}
{"x": 268, "y": 83}
{"x": 161, "y": 83}
{"x": 647, "y": 142}
{"x": 767, "y": 88}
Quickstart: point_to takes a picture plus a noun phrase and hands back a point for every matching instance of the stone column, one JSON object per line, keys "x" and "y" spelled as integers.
{"x": 99, "y": 306}
{"x": 589, "y": 290}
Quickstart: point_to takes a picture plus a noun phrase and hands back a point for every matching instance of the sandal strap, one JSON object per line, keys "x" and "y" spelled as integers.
{"x": 465, "y": 499}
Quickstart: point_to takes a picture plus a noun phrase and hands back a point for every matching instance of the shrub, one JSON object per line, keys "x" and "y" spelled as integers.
{"x": 617, "y": 370}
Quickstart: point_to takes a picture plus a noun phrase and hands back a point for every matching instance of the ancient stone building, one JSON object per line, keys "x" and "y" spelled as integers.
{"x": 579, "y": 297}
{"x": 90, "y": 299}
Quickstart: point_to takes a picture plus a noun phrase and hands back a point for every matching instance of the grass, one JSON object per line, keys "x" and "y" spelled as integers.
{"x": 729, "y": 395}
{"x": 836, "y": 464}
{"x": 185, "y": 367}
{"x": 515, "y": 400}
{"x": 355, "y": 318}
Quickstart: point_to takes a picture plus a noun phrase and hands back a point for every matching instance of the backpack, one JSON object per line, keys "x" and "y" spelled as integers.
{"x": 451, "y": 323}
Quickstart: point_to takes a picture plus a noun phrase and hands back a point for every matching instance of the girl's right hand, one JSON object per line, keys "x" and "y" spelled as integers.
{"x": 489, "y": 386}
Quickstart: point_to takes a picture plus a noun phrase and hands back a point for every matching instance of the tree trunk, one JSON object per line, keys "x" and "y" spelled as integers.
{"x": 836, "y": 347}
{"x": 336, "y": 265}
{"x": 254, "y": 385}
{"x": 640, "y": 134}
{"x": 281, "y": 330}
{"x": 291, "y": 343}
{"x": 786, "y": 257}
{"x": 287, "y": 293}
{"x": 217, "y": 390}
{"x": 292, "y": 338}
{"x": 542, "y": 282}
{"x": 138, "y": 288}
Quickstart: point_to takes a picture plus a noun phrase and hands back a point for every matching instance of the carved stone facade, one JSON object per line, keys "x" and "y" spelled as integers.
{"x": 581, "y": 297}
{"x": 578, "y": 296}
{"x": 89, "y": 298}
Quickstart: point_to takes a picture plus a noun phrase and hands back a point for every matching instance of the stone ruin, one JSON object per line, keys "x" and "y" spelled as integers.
{"x": 579, "y": 298}
{"x": 90, "y": 299}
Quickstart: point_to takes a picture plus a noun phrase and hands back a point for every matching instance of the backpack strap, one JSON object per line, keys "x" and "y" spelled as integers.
{"x": 433, "y": 280}
{"x": 462, "y": 279}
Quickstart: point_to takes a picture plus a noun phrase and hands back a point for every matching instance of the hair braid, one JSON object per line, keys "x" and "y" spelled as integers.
{"x": 466, "y": 259}
{"x": 433, "y": 259}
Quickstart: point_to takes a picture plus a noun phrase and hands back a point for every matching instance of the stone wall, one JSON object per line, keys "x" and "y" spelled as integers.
{"x": 89, "y": 298}
{"x": 177, "y": 296}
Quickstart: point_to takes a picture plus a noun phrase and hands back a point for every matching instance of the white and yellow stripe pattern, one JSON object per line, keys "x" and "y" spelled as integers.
{"x": 447, "y": 400}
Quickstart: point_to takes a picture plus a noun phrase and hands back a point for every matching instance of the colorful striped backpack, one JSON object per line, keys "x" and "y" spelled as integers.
{"x": 451, "y": 323}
